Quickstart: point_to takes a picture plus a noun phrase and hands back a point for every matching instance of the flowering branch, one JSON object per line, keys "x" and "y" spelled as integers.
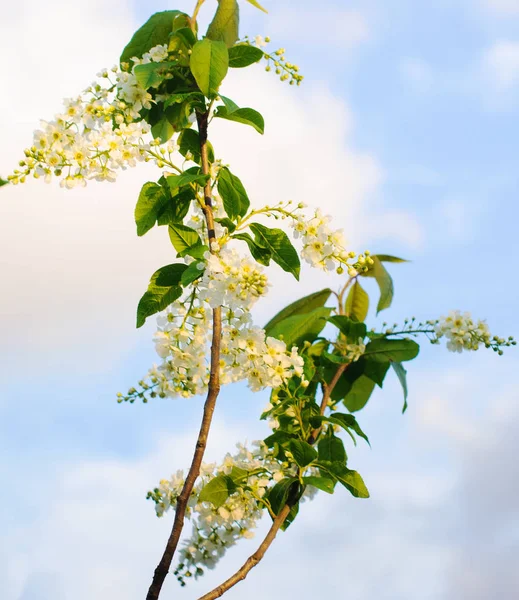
{"x": 280, "y": 519}
{"x": 212, "y": 393}
{"x": 253, "y": 560}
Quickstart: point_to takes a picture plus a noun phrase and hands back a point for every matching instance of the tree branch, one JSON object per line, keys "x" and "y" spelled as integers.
{"x": 212, "y": 393}
{"x": 255, "y": 558}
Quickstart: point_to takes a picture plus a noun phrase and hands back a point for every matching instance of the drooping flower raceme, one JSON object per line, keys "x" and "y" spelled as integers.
{"x": 463, "y": 333}
{"x": 185, "y": 330}
{"x": 217, "y": 528}
{"x": 98, "y": 133}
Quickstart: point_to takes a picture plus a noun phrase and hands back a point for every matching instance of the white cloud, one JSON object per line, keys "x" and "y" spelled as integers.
{"x": 503, "y": 7}
{"x": 501, "y": 64}
{"x": 342, "y": 29}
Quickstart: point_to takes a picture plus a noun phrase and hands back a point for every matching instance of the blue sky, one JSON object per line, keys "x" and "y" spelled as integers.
{"x": 411, "y": 107}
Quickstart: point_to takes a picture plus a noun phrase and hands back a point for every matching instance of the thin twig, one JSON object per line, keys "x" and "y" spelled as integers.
{"x": 255, "y": 558}
{"x": 327, "y": 392}
{"x": 212, "y": 393}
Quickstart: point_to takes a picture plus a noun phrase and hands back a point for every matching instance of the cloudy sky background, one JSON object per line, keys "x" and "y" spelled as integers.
{"x": 406, "y": 131}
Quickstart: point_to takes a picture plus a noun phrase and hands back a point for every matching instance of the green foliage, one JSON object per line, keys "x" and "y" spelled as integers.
{"x": 163, "y": 130}
{"x": 331, "y": 449}
{"x": 321, "y": 483}
{"x": 350, "y": 329}
{"x": 209, "y": 64}
{"x": 151, "y": 200}
{"x": 297, "y": 329}
{"x": 189, "y": 142}
{"x": 155, "y": 31}
{"x": 234, "y": 197}
{"x": 302, "y": 452}
{"x": 192, "y": 273}
{"x": 177, "y": 181}
{"x": 164, "y": 288}
{"x": 244, "y": 55}
{"x": 217, "y": 490}
{"x": 357, "y": 302}
{"x": 351, "y": 480}
{"x": 383, "y": 278}
{"x": 183, "y": 238}
{"x": 257, "y": 5}
{"x": 359, "y": 393}
{"x": 402, "y": 376}
{"x": 257, "y": 250}
{"x": 279, "y": 494}
{"x": 3, "y": 182}
{"x": 225, "y": 25}
{"x": 299, "y": 307}
{"x": 152, "y": 74}
{"x": 247, "y": 116}
{"x": 281, "y": 248}
{"x": 383, "y": 349}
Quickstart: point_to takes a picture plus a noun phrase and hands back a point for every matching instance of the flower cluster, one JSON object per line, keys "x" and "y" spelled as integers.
{"x": 287, "y": 71}
{"x": 184, "y": 335}
{"x": 460, "y": 330}
{"x": 215, "y": 529}
{"x": 98, "y": 133}
{"x": 323, "y": 247}
{"x": 463, "y": 333}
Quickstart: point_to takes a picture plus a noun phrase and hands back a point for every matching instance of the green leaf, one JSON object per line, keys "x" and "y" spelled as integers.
{"x": 279, "y": 494}
{"x": 302, "y": 452}
{"x": 229, "y": 104}
{"x": 163, "y": 130}
{"x": 359, "y": 393}
{"x": 321, "y": 483}
{"x": 164, "y": 288}
{"x": 402, "y": 376}
{"x": 225, "y": 25}
{"x": 376, "y": 370}
{"x": 235, "y": 200}
{"x": 297, "y": 329}
{"x": 152, "y": 198}
{"x": 183, "y": 237}
{"x": 357, "y": 302}
{"x": 348, "y": 422}
{"x": 247, "y": 116}
{"x": 189, "y": 142}
{"x": 352, "y": 330}
{"x": 300, "y": 307}
{"x": 177, "y": 206}
{"x": 258, "y": 252}
{"x": 244, "y": 55}
{"x": 155, "y": 31}
{"x": 217, "y": 490}
{"x": 391, "y": 259}
{"x": 209, "y": 64}
{"x": 227, "y": 223}
{"x": 177, "y": 181}
{"x": 151, "y": 74}
{"x": 352, "y": 481}
{"x": 383, "y": 349}
{"x": 257, "y": 5}
{"x": 283, "y": 252}
{"x": 180, "y": 98}
{"x": 384, "y": 281}
{"x": 331, "y": 448}
{"x": 3, "y": 182}
{"x": 192, "y": 273}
